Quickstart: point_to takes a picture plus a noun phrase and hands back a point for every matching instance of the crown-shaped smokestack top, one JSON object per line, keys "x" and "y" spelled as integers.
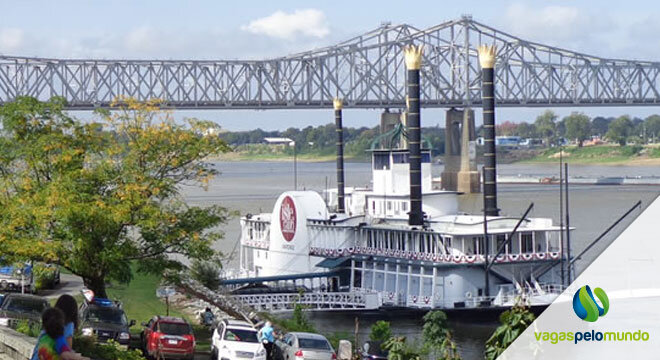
{"x": 338, "y": 103}
{"x": 413, "y": 55}
{"x": 487, "y": 56}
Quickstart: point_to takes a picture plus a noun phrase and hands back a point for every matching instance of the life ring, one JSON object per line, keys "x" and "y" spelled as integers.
{"x": 468, "y": 295}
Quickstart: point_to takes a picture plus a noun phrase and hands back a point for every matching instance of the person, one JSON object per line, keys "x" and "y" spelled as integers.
{"x": 267, "y": 338}
{"x": 69, "y": 307}
{"x": 208, "y": 317}
{"x": 52, "y": 345}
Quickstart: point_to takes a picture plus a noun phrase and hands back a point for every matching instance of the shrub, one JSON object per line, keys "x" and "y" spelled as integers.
{"x": 44, "y": 276}
{"x": 298, "y": 322}
{"x": 29, "y": 328}
{"x": 207, "y": 273}
{"x": 87, "y": 346}
{"x": 380, "y": 331}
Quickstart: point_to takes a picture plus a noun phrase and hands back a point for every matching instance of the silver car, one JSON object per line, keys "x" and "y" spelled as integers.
{"x": 305, "y": 346}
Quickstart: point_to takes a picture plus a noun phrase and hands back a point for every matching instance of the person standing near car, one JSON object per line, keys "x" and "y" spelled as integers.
{"x": 69, "y": 307}
{"x": 267, "y": 338}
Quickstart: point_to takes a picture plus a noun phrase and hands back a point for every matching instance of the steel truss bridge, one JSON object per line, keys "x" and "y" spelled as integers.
{"x": 367, "y": 72}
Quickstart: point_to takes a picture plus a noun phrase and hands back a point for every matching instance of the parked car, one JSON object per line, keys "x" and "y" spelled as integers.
{"x": 169, "y": 337}
{"x": 12, "y": 278}
{"x": 373, "y": 350}
{"x": 17, "y": 307}
{"x": 301, "y": 345}
{"x": 236, "y": 339}
{"x": 106, "y": 320}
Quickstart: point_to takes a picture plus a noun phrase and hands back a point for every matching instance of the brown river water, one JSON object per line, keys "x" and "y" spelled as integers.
{"x": 252, "y": 187}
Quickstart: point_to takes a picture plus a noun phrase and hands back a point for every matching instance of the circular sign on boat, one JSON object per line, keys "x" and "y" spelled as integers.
{"x": 288, "y": 218}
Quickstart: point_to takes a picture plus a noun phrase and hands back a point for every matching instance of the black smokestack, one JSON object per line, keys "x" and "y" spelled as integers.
{"x": 413, "y": 56}
{"x": 487, "y": 61}
{"x": 340, "y": 155}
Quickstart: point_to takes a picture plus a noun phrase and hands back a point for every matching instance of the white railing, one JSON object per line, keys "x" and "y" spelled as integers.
{"x": 326, "y": 301}
{"x": 432, "y": 257}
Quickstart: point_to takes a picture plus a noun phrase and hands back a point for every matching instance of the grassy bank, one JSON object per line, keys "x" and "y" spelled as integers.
{"x": 264, "y": 152}
{"x": 141, "y": 304}
{"x": 604, "y": 154}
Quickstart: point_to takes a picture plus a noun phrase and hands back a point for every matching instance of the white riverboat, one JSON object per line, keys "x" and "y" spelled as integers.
{"x": 370, "y": 248}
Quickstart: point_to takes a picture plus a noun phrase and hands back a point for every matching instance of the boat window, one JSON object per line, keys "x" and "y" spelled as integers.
{"x": 501, "y": 239}
{"x": 426, "y": 157}
{"x": 389, "y": 206}
{"x": 415, "y": 270}
{"x": 357, "y": 278}
{"x": 478, "y": 245}
{"x": 400, "y": 158}
{"x": 404, "y": 206}
{"x": 381, "y": 161}
{"x": 526, "y": 243}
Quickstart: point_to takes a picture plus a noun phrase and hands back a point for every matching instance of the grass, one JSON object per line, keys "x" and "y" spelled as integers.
{"x": 602, "y": 154}
{"x": 141, "y": 304}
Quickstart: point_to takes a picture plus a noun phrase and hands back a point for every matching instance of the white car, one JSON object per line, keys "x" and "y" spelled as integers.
{"x": 236, "y": 339}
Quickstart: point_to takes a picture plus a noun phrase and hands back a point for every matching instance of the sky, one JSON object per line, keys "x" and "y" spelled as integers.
{"x": 196, "y": 29}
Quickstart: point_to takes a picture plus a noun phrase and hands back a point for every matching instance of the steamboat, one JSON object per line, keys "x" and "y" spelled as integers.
{"x": 401, "y": 242}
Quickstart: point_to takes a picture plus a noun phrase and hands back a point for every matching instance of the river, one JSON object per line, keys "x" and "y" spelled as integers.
{"x": 253, "y": 187}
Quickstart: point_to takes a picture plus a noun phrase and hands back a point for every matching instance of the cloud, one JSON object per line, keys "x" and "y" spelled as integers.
{"x": 281, "y": 25}
{"x": 563, "y": 26}
{"x": 11, "y": 39}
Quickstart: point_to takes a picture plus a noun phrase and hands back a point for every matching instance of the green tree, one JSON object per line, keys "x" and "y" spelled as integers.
{"x": 513, "y": 323}
{"x": 620, "y": 129}
{"x": 380, "y": 331}
{"x": 437, "y": 336}
{"x": 526, "y": 130}
{"x": 546, "y": 126}
{"x": 95, "y": 201}
{"x": 399, "y": 350}
{"x": 652, "y": 124}
{"x": 578, "y": 127}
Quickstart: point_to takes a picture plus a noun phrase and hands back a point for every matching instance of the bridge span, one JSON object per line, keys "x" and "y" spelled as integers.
{"x": 367, "y": 71}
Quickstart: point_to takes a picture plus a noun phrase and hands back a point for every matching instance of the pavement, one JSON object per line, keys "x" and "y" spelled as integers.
{"x": 69, "y": 284}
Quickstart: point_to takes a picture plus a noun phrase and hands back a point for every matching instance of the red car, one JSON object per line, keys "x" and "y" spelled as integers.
{"x": 166, "y": 337}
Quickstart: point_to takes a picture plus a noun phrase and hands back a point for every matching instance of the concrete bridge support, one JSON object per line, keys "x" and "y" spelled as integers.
{"x": 460, "y": 173}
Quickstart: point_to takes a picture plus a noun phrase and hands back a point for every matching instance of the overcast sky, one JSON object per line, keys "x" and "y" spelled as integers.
{"x": 195, "y": 29}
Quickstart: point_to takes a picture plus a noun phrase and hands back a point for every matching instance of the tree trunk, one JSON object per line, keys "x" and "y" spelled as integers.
{"x": 97, "y": 285}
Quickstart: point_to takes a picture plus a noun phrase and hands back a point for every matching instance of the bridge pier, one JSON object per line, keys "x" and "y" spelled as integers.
{"x": 460, "y": 172}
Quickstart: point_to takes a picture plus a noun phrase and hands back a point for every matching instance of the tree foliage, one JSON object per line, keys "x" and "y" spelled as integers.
{"x": 546, "y": 126}
{"x": 399, "y": 350}
{"x": 437, "y": 336}
{"x": 513, "y": 323}
{"x": 620, "y": 129}
{"x": 578, "y": 127}
{"x": 380, "y": 331}
{"x": 95, "y": 197}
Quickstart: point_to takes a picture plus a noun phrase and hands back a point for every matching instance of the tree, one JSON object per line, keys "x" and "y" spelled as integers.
{"x": 437, "y": 336}
{"x": 545, "y": 126}
{"x": 399, "y": 350}
{"x": 513, "y": 323}
{"x": 96, "y": 201}
{"x": 652, "y": 124}
{"x": 506, "y": 128}
{"x": 380, "y": 331}
{"x": 599, "y": 125}
{"x": 526, "y": 130}
{"x": 620, "y": 129}
{"x": 578, "y": 127}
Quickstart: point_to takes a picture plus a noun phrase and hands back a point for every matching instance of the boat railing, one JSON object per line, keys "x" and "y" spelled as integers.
{"x": 428, "y": 256}
{"x": 326, "y": 301}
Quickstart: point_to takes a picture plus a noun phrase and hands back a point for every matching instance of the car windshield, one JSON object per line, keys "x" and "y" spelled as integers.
{"x": 106, "y": 315}
{"x": 313, "y": 344}
{"x": 174, "y": 328}
{"x": 25, "y": 305}
{"x": 249, "y": 336}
